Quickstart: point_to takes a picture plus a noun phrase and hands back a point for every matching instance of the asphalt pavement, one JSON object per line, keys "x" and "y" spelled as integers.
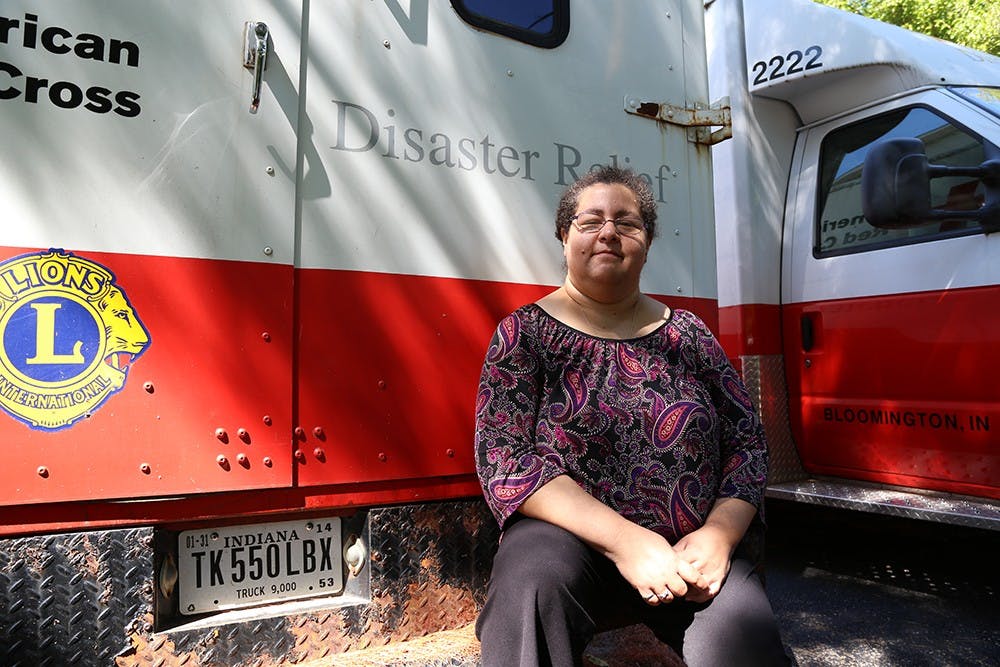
{"x": 851, "y": 588}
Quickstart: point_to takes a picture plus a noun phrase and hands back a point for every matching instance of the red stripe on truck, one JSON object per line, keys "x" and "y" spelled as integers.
{"x": 257, "y": 378}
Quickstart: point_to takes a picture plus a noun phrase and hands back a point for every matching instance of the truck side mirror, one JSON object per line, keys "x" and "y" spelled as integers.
{"x": 895, "y": 185}
{"x": 896, "y": 190}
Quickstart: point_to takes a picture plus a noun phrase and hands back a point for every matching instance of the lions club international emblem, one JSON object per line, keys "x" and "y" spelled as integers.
{"x": 67, "y": 337}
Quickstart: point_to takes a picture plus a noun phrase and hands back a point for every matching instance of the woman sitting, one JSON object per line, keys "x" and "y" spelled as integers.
{"x": 621, "y": 455}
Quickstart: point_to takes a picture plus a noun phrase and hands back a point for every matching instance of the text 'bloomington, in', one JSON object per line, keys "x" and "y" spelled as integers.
{"x": 906, "y": 418}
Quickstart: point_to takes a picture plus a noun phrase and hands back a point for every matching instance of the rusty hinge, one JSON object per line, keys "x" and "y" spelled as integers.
{"x": 698, "y": 118}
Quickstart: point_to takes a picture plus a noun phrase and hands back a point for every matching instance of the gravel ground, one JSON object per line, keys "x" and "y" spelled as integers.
{"x": 857, "y": 589}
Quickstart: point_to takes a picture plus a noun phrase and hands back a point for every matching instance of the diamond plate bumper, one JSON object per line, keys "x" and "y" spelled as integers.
{"x": 91, "y": 599}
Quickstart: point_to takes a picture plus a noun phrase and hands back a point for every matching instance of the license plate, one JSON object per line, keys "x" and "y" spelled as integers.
{"x": 242, "y": 566}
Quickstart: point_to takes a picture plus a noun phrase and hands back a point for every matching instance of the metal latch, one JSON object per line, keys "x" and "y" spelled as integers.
{"x": 255, "y": 38}
{"x": 697, "y": 118}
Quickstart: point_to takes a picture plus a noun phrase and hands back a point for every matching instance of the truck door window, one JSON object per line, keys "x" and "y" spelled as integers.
{"x": 840, "y": 226}
{"x": 543, "y": 23}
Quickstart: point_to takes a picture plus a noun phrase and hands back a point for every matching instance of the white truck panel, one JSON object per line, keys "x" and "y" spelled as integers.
{"x": 750, "y": 171}
{"x": 435, "y": 149}
{"x": 176, "y": 167}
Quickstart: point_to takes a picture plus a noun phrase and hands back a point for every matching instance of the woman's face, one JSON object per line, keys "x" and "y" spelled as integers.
{"x": 605, "y": 261}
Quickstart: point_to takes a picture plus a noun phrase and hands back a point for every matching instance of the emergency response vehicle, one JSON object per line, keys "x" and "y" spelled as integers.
{"x": 252, "y": 253}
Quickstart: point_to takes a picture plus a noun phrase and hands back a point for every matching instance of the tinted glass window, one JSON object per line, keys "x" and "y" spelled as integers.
{"x": 840, "y": 226}
{"x": 988, "y": 98}
{"x": 540, "y": 22}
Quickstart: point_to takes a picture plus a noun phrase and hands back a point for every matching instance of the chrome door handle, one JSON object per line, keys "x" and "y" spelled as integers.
{"x": 255, "y": 38}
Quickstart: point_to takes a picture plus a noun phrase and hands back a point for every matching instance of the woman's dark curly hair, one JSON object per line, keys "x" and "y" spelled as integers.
{"x": 607, "y": 175}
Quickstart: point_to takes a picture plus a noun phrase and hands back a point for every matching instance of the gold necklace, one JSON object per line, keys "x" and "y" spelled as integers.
{"x": 596, "y": 327}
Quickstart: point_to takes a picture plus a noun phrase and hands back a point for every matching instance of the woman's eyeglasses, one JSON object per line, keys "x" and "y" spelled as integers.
{"x": 591, "y": 223}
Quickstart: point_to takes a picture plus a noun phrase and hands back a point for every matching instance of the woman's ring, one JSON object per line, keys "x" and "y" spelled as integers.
{"x": 664, "y": 595}
{"x": 650, "y": 597}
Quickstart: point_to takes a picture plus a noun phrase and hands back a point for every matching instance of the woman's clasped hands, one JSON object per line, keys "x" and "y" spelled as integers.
{"x": 693, "y": 569}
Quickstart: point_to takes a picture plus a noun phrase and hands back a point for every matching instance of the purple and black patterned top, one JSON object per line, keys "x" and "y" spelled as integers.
{"x": 657, "y": 427}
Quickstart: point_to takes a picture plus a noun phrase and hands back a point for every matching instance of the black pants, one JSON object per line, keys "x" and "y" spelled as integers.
{"x": 549, "y": 593}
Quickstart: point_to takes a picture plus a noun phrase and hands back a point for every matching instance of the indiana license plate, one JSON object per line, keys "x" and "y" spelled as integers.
{"x": 241, "y": 566}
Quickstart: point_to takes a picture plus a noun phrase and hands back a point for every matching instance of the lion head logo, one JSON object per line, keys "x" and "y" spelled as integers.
{"x": 68, "y": 336}
{"x": 124, "y": 334}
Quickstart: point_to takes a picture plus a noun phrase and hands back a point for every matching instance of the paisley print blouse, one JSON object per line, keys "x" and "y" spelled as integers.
{"x": 657, "y": 427}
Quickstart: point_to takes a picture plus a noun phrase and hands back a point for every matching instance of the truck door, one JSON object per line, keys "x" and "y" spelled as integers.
{"x": 145, "y": 249}
{"x": 890, "y": 336}
{"x": 439, "y": 138}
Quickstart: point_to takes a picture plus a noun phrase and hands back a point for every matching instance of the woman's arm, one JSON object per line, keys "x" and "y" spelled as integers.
{"x": 508, "y": 463}
{"x": 644, "y": 558}
{"x": 743, "y": 470}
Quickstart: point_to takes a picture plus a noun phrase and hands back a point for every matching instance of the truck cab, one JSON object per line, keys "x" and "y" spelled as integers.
{"x": 883, "y": 336}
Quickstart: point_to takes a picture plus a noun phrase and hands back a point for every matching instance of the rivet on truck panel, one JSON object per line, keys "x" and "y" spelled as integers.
{"x": 148, "y": 386}
{"x": 43, "y": 471}
{"x": 221, "y": 434}
{"x": 144, "y": 467}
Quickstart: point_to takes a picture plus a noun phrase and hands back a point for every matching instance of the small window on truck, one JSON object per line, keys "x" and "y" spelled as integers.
{"x": 840, "y": 226}
{"x": 987, "y": 98}
{"x": 543, "y": 23}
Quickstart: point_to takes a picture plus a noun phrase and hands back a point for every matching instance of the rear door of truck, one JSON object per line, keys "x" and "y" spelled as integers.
{"x": 436, "y": 140}
{"x": 147, "y": 353}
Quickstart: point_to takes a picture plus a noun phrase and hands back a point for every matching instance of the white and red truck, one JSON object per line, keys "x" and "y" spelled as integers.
{"x": 251, "y": 254}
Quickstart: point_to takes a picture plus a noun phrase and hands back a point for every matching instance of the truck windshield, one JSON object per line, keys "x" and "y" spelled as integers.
{"x": 988, "y": 98}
